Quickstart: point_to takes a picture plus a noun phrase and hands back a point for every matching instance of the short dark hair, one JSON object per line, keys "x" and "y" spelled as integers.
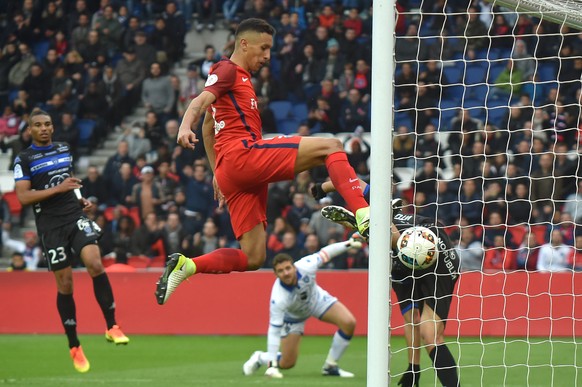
{"x": 37, "y": 112}
{"x": 280, "y": 258}
{"x": 255, "y": 25}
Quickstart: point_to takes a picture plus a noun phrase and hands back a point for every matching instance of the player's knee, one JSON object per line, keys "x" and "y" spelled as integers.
{"x": 349, "y": 325}
{"x": 65, "y": 285}
{"x": 430, "y": 337}
{"x": 95, "y": 268}
{"x": 334, "y": 145}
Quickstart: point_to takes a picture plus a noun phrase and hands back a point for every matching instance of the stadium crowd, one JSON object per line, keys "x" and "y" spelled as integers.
{"x": 489, "y": 133}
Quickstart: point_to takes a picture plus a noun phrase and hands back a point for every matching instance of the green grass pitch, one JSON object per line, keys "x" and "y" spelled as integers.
{"x": 42, "y": 360}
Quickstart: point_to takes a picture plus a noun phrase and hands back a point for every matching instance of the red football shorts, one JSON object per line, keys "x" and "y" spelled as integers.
{"x": 243, "y": 173}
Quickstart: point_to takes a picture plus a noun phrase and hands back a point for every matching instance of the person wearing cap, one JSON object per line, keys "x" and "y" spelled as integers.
{"x": 63, "y": 228}
{"x": 131, "y": 72}
{"x": 147, "y": 194}
{"x": 335, "y": 61}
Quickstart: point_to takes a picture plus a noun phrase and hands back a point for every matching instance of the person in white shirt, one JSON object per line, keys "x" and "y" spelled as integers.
{"x": 555, "y": 255}
{"x": 296, "y": 297}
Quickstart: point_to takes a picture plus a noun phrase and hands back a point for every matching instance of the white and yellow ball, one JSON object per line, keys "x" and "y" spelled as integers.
{"x": 417, "y": 247}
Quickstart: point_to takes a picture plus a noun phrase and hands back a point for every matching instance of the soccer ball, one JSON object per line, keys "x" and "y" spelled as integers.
{"x": 417, "y": 247}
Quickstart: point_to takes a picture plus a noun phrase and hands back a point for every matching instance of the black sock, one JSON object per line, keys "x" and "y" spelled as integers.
{"x": 445, "y": 366}
{"x": 104, "y": 296}
{"x": 68, "y": 313}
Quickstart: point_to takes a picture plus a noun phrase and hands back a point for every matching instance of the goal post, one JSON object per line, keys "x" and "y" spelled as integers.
{"x": 487, "y": 140}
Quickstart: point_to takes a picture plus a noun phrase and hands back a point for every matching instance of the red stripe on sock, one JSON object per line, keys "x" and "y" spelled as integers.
{"x": 221, "y": 261}
{"x": 345, "y": 181}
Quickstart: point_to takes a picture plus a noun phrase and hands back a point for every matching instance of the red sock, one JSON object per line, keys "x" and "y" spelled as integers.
{"x": 221, "y": 261}
{"x": 345, "y": 181}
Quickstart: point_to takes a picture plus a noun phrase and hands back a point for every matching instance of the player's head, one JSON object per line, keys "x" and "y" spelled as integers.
{"x": 41, "y": 128}
{"x": 253, "y": 41}
{"x": 284, "y": 269}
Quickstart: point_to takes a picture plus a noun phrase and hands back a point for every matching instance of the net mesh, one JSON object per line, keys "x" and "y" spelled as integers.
{"x": 487, "y": 141}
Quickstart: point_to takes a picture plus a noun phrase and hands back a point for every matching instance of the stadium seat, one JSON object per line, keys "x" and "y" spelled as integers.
{"x": 107, "y": 261}
{"x": 40, "y": 50}
{"x": 138, "y": 261}
{"x": 158, "y": 261}
{"x": 300, "y": 111}
{"x": 135, "y": 215}
{"x": 517, "y": 233}
{"x": 546, "y": 71}
{"x": 475, "y": 74}
{"x": 13, "y": 203}
{"x": 281, "y": 109}
{"x": 86, "y": 128}
{"x": 495, "y": 115}
{"x": 454, "y": 92}
{"x": 541, "y": 233}
{"x": 287, "y": 126}
{"x": 453, "y": 74}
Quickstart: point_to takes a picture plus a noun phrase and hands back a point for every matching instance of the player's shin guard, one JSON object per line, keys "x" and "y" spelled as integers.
{"x": 339, "y": 345}
{"x": 68, "y": 313}
{"x": 345, "y": 180}
{"x": 445, "y": 366}
{"x": 222, "y": 261}
{"x": 104, "y": 296}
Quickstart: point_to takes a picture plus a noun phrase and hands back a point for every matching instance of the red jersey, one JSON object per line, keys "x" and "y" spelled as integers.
{"x": 235, "y": 111}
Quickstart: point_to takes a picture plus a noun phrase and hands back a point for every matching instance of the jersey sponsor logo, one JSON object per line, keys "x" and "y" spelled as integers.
{"x": 212, "y": 79}
{"x": 18, "y": 174}
{"x": 402, "y": 217}
{"x": 244, "y": 79}
{"x": 59, "y": 162}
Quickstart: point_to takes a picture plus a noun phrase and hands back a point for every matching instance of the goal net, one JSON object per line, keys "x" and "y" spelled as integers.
{"x": 487, "y": 139}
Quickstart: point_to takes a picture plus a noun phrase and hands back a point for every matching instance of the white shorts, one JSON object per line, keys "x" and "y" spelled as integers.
{"x": 295, "y": 323}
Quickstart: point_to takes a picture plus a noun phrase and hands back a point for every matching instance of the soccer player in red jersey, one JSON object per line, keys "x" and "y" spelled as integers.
{"x": 244, "y": 163}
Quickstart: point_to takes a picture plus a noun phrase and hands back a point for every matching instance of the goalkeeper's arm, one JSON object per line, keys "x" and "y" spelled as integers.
{"x": 331, "y": 251}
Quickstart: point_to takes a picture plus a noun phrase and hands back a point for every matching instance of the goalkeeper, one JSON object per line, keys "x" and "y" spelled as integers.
{"x": 295, "y": 297}
{"x": 424, "y": 296}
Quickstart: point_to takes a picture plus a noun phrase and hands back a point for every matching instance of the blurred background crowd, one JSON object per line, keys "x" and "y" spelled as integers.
{"x": 486, "y": 132}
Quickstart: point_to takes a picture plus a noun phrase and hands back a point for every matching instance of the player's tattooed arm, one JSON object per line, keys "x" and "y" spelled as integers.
{"x": 186, "y": 137}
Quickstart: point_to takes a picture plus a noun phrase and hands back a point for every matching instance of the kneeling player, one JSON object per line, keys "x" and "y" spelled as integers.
{"x": 295, "y": 297}
{"x": 424, "y": 296}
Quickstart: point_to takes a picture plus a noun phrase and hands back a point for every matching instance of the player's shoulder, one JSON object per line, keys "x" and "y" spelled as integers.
{"x": 61, "y": 146}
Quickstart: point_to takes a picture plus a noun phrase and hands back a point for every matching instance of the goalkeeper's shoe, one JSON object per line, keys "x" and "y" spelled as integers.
{"x": 253, "y": 364}
{"x": 334, "y": 370}
{"x": 363, "y": 222}
{"x": 79, "y": 360}
{"x": 115, "y": 335}
{"x": 177, "y": 270}
{"x": 340, "y": 215}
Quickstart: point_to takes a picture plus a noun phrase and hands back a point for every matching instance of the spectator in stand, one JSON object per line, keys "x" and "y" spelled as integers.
{"x": 138, "y": 143}
{"x": 144, "y": 51}
{"x": 334, "y": 61}
{"x": 204, "y": 64}
{"x": 362, "y": 80}
{"x": 555, "y": 256}
{"x": 427, "y": 147}
{"x": 354, "y": 21}
{"x": 174, "y": 235}
{"x": 168, "y": 181}
{"x": 206, "y": 11}
{"x": 448, "y": 208}
{"x": 20, "y": 70}
{"x": 573, "y": 205}
{"x": 346, "y": 80}
{"x": 409, "y": 47}
{"x": 299, "y": 210}
{"x": 474, "y": 30}
{"x": 498, "y": 257}
{"x": 522, "y": 60}
{"x": 73, "y": 15}
{"x": 114, "y": 93}
{"x": 288, "y": 55}
{"x": 471, "y": 202}
{"x": 207, "y": 240}
{"x": 148, "y": 194}
{"x": 94, "y": 50}
{"x": 425, "y": 180}
{"x": 199, "y": 196}
{"x": 275, "y": 233}
{"x": 37, "y": 85}
{"x": 327, "y": 17}
{"x": 434, "y": 79}
{"x": 267, "y": 86}
{"x": 17, "y": 263}
{"x": 405, "y": 85}
{"x": 123, "y": 237}
{"x": 94, "y": 185}
{"x": 68, "y": 131}
{"x": 230, "y": 8}
{"x": 157, "y": 93}
{"x": 308, "y": 72}
{"x": 109, "y": 29}
{"x": 114, "y": 162}
{"x": 176, "y": 27}
{"x": 508, "y": 83}
{"x": 319, "y": 41}
{"x": 153, "y": 129}
{"x": 94, "y": 106}
{"x": 519, "y": 206}
{"x": 501, "y": 33}
{"x": 131, "y": 73}
{"x": 545, "y": 189}
{"x": 354, "y": 112}
{"x": 50, "y": 62}
{"x": 147, "y": 237}
{"x": 350, "y": 44}
{"x": 130, "y": 32}
{"x": 527, "y": 252}
{"x": 267, "y": 116}
{"x": 121, "y": 186}
{"x": 190, "y": 89}
{"x": 403, "y": 147}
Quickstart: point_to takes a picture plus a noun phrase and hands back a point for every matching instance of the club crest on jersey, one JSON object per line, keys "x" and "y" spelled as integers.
{"x": 211, "y": 80}
{"x": 18, "y": 172}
